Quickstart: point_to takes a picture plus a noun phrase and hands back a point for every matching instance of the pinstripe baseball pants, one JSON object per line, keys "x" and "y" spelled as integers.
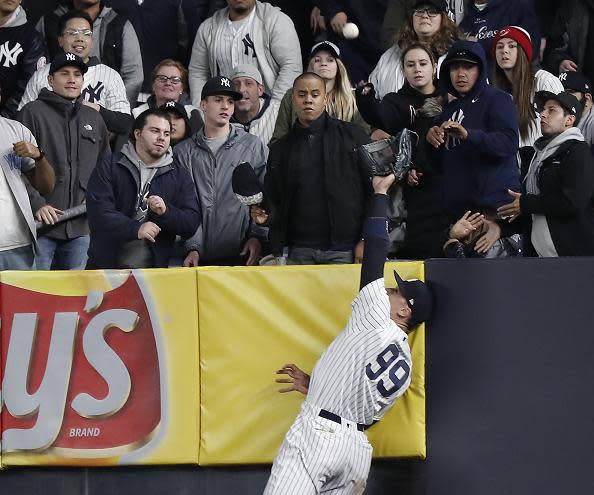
{"x": 320, "y": 456}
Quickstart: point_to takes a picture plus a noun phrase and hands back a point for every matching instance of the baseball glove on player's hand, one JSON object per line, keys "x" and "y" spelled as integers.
{"x": 389, "y": 156}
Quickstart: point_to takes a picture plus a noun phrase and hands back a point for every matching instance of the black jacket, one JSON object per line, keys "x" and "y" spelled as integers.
{"x": 566, "y": 183}
{"x": 425, "y": 212}
{"x": 569, "y": 36}
{"x": 348, "y": 187}
{"x": 22, "y": 49}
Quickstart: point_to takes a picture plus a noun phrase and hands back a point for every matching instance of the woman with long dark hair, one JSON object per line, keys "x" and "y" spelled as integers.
{"x": 415, "y": 106}
{"x": 513, "y": 73}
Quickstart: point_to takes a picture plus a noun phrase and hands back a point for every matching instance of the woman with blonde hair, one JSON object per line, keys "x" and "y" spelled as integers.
{"x": 428, "y": 23}
{"x": 325, "y": 62}
{"x": 513, "y": 73}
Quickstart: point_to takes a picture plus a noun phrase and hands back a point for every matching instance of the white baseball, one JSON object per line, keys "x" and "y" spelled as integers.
{"x": 350, "y": 31}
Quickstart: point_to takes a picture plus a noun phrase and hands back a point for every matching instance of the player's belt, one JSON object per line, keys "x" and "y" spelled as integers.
{"x": 337, "y": 419}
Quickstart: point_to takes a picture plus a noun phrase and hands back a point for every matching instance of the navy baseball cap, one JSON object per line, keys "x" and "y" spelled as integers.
{"x": 219, "y": 85}
{"x": 575, "y": 81}
{"x": 565, "y": 99}
{"x": 419, "y": 298}
{"x": 67, "y": 60}
{"x": 174, "y": 107}
{"x": 463, "y": 56}
{"x": 440, "y": 5}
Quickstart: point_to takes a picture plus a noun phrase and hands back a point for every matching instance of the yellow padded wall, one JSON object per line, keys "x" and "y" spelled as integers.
{"x": 254, "y": 320}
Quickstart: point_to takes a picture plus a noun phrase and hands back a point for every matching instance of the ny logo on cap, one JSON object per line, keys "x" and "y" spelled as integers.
{"x": 411, "y": 302}
{"x": 563, "y": 76}
{"x": 170, "y": 104}
{"x": 70, "y": 56}
{"x": 225, "y": 82}
{"x": 573, "y": 109}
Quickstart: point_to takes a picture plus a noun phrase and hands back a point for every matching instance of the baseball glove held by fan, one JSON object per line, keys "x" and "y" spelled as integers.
{"x": 389, "y": 156}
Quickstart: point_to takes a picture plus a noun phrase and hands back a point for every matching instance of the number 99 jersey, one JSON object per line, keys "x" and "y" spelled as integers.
{"x": 368, "y": 366}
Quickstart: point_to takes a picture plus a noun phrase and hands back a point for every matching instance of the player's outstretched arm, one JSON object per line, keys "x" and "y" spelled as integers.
{"x": 375, "y": 232}
{"x": 298, "y": 379}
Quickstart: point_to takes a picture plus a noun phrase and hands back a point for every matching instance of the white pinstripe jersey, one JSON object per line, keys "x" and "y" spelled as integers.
{"x": 101, "y": 85}
{"x": 234, "y": 45}
{"x": 263, "y": 127}
{"x": 368, "y": 366}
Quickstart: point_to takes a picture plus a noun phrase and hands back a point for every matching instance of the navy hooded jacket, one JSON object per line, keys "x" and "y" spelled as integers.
{"x": 498, "y": 14}
{"x": 479, "y": 171}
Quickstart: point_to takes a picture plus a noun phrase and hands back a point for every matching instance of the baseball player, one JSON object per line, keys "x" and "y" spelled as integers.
{"x": 356, "y": 380}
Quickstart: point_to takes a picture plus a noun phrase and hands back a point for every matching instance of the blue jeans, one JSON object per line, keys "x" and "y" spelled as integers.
{"x": 310, "y": 256}
{"x": 58, "y": 254}
{"x": 21, "y": 258}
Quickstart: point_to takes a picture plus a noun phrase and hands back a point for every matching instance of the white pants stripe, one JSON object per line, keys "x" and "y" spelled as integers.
{"x": 320, "y": 456}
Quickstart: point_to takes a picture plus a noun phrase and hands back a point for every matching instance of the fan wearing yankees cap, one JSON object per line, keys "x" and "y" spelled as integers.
{"x": 357, "y": 379}
{"x": 74, "y": 137}
{"x": 579, "y": 86}
{"x": 103, "y": 89}
{"x": 226, "y": 235}
{"x": 180, "y": 123}
{"x": 555, "y": 209}
{"x": 477, "y": 141}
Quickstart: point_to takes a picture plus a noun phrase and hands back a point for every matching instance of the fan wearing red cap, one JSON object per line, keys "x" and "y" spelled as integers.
{"x": 513, "y": 73}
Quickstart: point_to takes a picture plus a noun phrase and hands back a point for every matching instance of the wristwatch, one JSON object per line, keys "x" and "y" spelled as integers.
{"x": 41, "y": 155}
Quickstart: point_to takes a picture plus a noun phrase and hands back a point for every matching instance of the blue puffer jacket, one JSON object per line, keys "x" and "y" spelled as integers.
{"x": 111, "y": 204}
{"x": 479, "y": 171}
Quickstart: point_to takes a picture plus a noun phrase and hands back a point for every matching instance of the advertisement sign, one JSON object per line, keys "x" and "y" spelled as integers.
{"x": 88, "y": 371}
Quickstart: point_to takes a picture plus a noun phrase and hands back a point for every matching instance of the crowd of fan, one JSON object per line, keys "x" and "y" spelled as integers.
{"x": 123, "y": 122}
